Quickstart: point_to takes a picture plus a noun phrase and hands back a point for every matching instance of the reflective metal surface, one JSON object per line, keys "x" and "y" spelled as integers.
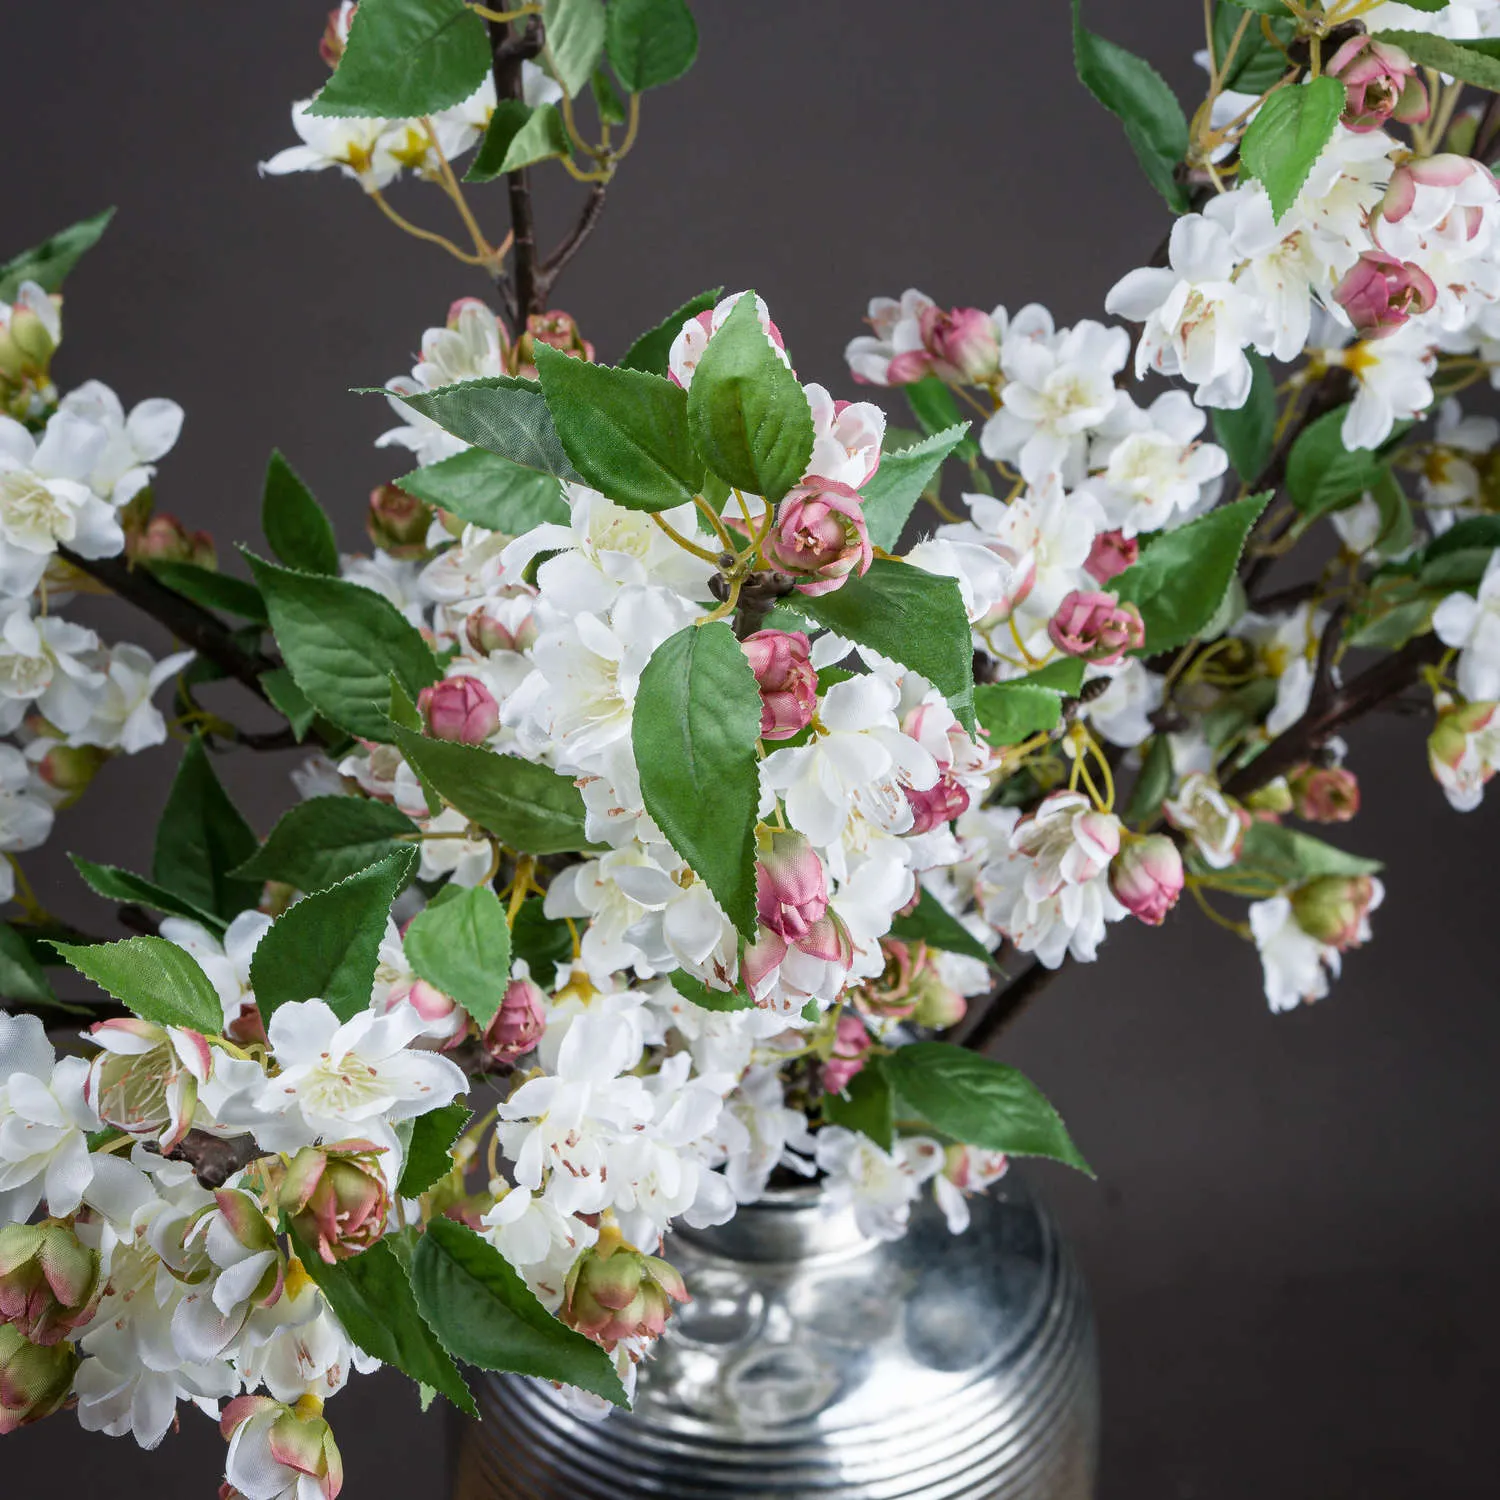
{"x": 813, "y": 1363}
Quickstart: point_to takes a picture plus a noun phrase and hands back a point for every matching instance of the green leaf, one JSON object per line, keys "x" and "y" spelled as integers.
{"x": 1246, "y": 434}
{"x": 694, "y": 730}
{"x": 1065, "y": 675}
{"x": 502, "y": 414}
{"x": 159, "y": 981}
{"x": 289, "y": 700}
{"x": 429, "y": 1152}
{"x": 1394, "y": 628}
{"x": 405, "y": 59}
{"x": 378, "y": 1308}
{"x": 1397, "y": 529}
{"x": 296, "y": 526}
{"x": 1288, "y": 857}
{"x": 1133, "y": 91}
{"x": 528, "y": 807}
{"x": 915, "y": 618}
{"x": 327, "y": 945}
{"x": 894, "y": 488}
{"x": 748, "y": 415}
{"x": 540, "y": 940}
{"x": 866, "y": 1105}
{"x": 1153, "y": 783}
{"x": 518, "y": 136}
{"x": 22, "y": 980}
{"x": 1475, "y": 61}
{"x": 1274, "y": 8}
{"x": 930, "y": 922}
{"x": 980, "y": 1102}
{"x": 607, "y": 101}
{"x": 625, "y": 431}
{"x": 487, "y": 1316}
{"x": 48, "y": 264}
{"x": 327, "y": 839}
{"x": 651, "y": 42}
{"x": 1321, "y": 472}
{"x": 201, "y": 838}
{"x": 115, "y": 884}
{"x": 1183, "y": 574}
{"x": 1013, "y": 711}
{"x": 936, "y": 410}
{"x": 463, "y": 947}
{"x": 1256, "y": 64}
{"x": 486, "y": 490}
{"x": 212, "y": 589}
{"x": 343, "y": 643}
{"x": 650, "y": 351}
{"x": 699, "y": 993}
{"x": 575, "y": 40}
{"x": 1288, "y": 135}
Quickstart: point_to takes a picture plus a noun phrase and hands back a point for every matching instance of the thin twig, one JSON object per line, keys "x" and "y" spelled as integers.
{"x": 510, "y": 48}
{"x": 1006, "y": 1001}
{"x": 557, "y": 262}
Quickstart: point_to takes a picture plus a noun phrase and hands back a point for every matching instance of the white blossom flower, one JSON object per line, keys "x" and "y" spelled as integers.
{"x": 879, "y": 1186}
{"x": 124, "y": 717}
{"x": 1472, "y": 623}
{"x": 42, "y": 661}
{"x": 134, "y": 441}
{"x": 1297, "y": 967}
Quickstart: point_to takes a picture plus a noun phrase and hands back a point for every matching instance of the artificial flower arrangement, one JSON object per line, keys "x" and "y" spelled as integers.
{"x": 659, "y": 806}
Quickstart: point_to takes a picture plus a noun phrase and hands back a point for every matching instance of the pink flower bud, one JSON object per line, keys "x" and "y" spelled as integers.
{"x": 1096, "y": 627}
{"x": 1381, "y": 83}
{"x": 336, "y": 1198}
{"x": 165, "y": 539}
{"x": 940, "y": 803}
{"x": 70, "y": 769}
{"x": 614, "y": 1292}
{"x": 336, "y": 34}
{"x": 461, "y": 709}
{"x": 1380, "y": 292}
{"x": 397, "y": 522}
{"x": 820, "y": 536}
{"x": 487, "y": 631}
{"x": 34, "y": 1378}
{"x": 791, "y": 889}
{"x": 49, "y": 1282}
{"x": 1110, "y": 555}
{"x": 558, "y": 331}
{"x": 1449, "y": 179}
{"x": 518, "y": 1024}
{"x": 961, "y": 343}
{"x": 1146, "y": 876}
{"x": 851, "y": 1041}
{"x": 1335, "y": 909}
{"x": 1325, "y": 794}
{"x": 787, "y": 681}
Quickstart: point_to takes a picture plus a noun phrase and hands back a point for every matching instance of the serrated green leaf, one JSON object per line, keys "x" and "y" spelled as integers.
{"x": 980, "y": 1102}
{"x": 894, "y": 488}
{"x": 159, "y": 981}
{"x": 1182, "y": 576}
{"x": 289, "y": 700}
{"x": 694, "y": 731}
{"x": 502, "y": 414}
{"x": 748, "y": 416}
{"x": 1136, "y": 94}
{"x": 201, "y": 838}
{"x": 930, "y": 922}
{"x": 326, "y": 946}
{"x": 48, "y": 264}
{"x": 22, "y": 980}
{"x": 528, "y": 807}
{"x": 935, "y": 408}
{"x": 1321, "y": 472}
{"x": 866, "y": 1105}
{"x": 1474, "y": 60}
{"x": 575, "y": 40}
{"x": 1255, "y": 64}
{"x": 486, "y": 490}
{"x": 699, "y": 993}
{"x": 212, "y": 589}
{"x": 1288, "y": 135}
{"x": 1288, "y": 857}
{"x": 913, "y": 617}
{"x": 650, "y": 351}
{"x": 517, "y": 136}
{"x": 1065, "y": 675}
{"x": 296, "y": 526}
{"x": 625, "y": 431}
{"x": 1153, "y": 783}
{"x": 1246, "y": 434}
{"x": 343, "y": 644}
{"x": 483, "y": 1312}
{"x": 463, "y": 948}
{"x": 115, "y": 884}
{"x": 405, "y": 59}
{"x": 325, "y": 840}
{"x": 377, "y": 1307}
{"x": 429, "y": 1152}
{"x": 1010, "y": 712}
{"x": 651, "y": 42}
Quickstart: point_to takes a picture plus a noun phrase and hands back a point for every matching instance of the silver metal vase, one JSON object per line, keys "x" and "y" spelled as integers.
{"x": 815, "y": 1364}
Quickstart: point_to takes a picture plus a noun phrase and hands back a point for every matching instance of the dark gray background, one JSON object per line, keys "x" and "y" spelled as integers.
{"x": 1291, "y": 1239}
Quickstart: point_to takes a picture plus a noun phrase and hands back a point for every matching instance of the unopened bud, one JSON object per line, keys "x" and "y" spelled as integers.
{"x": 461, "y": 709}
{"x": 615, "y": 1292}
{"x": 519, "y": 1023}
{"x": 851, "y": 1042}
{"x": 787, "y": 680}
{"x": 336, "y": 1198}
{"x": 1146, "y": 877}
{"x": 397, "y": 522}
{"x": 1325, "y": 794}
{"x": 34, "y": 1378}
{"x": 49, "y": 1282}
{"x": 1335, "y": 909}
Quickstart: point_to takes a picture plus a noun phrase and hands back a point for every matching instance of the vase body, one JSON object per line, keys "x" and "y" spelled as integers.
{"x": 813, "y": 1362}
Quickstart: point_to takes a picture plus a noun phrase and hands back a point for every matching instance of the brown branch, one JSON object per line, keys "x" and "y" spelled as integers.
{"x": 1006, "y": 1001}
{"x": 214, "y": 1159}
{"x": 557, "y": 262}
{"x": 510, "y": 49}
